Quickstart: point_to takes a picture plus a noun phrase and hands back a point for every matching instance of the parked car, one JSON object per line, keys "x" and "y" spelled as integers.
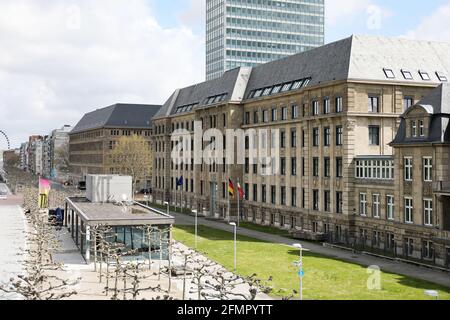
{"x": 3, "y": 196}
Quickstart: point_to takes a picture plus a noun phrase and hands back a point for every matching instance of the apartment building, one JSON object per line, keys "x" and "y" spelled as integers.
{"x": 335, "y": 110}
{"x": 97, "y": 132}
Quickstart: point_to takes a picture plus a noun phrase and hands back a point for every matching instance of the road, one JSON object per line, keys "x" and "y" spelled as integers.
{"x": 12, "y": 239}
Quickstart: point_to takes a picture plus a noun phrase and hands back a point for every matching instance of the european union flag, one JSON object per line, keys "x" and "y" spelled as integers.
{"x": 180, "y": 182}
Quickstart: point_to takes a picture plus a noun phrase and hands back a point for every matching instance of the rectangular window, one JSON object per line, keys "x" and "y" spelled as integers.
{"x": 428, "y": 212}
{"x": 283, "y": 166}
{"x": 374, "y": 104}
{"x": 293, "y": 138}
{"x": 255, "y": 117}
{"x": 376, "y": 206}
{"x": 283, "y": 139}
{"x": 273, "y": 195}
{"x": 339, "y": 136}
{"x": 294, "y": 197}
{"x": 255, "y": 193}
{"x": 339, "y": 202}
{"x": 390, "y": 207}
{"x": 327, "y": 201}
{"x": 326, "y": 136}
{"x": 315, "y": 167}
{"x": 303, "y": 167}
{"x": 428, "y": 249}
{"x": 327, "y": 167}
{"x": 421, "y": 128}
{"x": 247, "y": 118}
{"x": 363, "y": 204}
{"x": 408, "y": 164}
{"x": 413, "y": 129}
{"x": 247, "y": 191}
{"x": 315, "y": 108}
{"x": 264, "y": 194}
{"x": 374, "y": 135}
{"x": 294, "y": 112}
{"x": 409, "y": 210}
{"x": 293, "y": 166}
{"x": 284, "y": 113}
{"x": 265, "y": 116}
{"x": 316, "y": 200}
{"x": 315, "y": 141}
{"x": 339, "y": 168}
{"x": 283, "y": 196}
{"x": 326, "y": 106}
{"x": 427, "y": 169}
{"x": 339, "y": 105}
{"x": 408, "y": 102}
{"x": 274, "y": 114}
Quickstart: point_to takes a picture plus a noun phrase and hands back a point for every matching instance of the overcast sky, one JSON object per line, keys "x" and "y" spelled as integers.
{"x": 61, "y": 59}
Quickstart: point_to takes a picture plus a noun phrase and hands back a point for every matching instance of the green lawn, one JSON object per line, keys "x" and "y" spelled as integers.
{"x": 325, "y": 278}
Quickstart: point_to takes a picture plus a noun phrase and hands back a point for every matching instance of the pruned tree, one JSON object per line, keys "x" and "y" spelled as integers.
{"x": 212, "y": 282}
{"x": 131, "y": 156}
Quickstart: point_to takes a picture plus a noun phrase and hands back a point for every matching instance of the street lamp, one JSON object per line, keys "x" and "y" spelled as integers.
{"x": 235, "y": 247}
{"x": 196, "y": 226}
{"x": 300, "y": 265}
{"x": 168, "y": 208}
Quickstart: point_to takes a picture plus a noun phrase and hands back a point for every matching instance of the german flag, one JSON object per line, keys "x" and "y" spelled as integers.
{"x": 230, "y": 188}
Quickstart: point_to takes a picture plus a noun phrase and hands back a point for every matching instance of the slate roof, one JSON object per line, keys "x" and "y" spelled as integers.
{"x": 437, "y": 106}
{"x": 198, "y": 93}
{"x": 357, "y": 58}
{"x": 133, "y": 116}
{"x": 354, "y": 58}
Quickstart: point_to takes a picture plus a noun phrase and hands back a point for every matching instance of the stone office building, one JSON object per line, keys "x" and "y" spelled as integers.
{"x": 337, "y": 109}
{"x": 97, "y": 132}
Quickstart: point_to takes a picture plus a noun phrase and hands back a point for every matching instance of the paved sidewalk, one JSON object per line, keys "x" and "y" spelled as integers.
{"x": 12, "y": 240}
{"x": 434, "y": 276}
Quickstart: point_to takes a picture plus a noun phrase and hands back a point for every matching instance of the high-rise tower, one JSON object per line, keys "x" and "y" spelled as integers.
{"x": 252, "y": 32}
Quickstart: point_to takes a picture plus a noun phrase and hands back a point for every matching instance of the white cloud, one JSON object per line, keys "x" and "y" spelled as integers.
{"x": 60, "y": 59}
{"x": 433, "y": 27}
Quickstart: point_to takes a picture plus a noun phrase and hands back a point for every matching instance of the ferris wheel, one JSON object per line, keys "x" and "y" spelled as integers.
{"x": 5, "y": 137}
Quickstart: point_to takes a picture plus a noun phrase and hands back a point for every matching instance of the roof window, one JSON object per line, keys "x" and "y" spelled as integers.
{"x": 389, "y": 73}
{"x": 424, "y": 75}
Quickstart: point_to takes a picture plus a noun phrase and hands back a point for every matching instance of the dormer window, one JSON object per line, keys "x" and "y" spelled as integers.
{"x": 389, "y": 73}
{"x": 424, "y": 75}
{"x": 413, "y": 129}
{"x": 442, "y": 77}
{"x": 407, "y": 75}
{"x": 421, "y": 128}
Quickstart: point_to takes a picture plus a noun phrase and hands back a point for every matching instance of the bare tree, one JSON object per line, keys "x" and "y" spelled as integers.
{"x": 131, "y": 156}
{"x": 62, "y": 159}
{"x": 212, "y": 281}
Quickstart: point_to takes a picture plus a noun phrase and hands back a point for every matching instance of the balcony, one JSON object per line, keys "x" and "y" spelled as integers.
{"x": 441, "y": 187}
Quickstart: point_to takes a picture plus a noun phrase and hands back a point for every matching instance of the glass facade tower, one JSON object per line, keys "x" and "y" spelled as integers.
{"x": 251, "y": 32}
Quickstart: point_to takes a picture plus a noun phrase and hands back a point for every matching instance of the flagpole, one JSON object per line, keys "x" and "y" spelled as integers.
{"x": 228, "y": 199}
{"x": 239, "y": 200}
